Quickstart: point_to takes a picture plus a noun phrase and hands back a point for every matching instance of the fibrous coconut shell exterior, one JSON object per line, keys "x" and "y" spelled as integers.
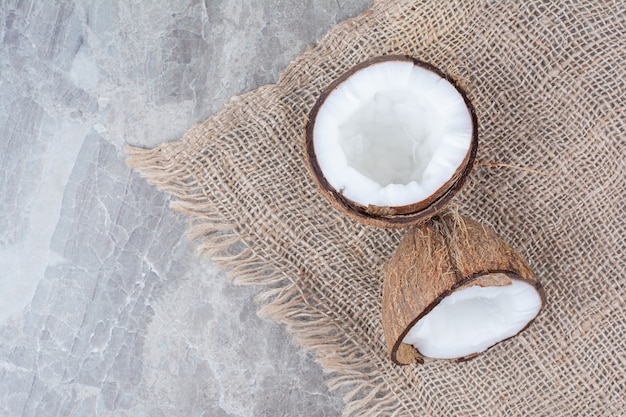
{"x": 447, "y": 253}
{"x": 390, "y": 216}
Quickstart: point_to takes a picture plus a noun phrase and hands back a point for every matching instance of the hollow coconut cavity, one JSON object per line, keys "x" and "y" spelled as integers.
{"x": 391, "y": 141}
{"x": 453, "y": 289}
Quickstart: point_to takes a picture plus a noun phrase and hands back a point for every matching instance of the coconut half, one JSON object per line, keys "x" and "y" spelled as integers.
{"x": 391, "y": 141}
{"x": 453, "y": 289}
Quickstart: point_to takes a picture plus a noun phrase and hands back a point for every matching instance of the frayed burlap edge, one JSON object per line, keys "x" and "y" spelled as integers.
{"x": 364, "y": 392}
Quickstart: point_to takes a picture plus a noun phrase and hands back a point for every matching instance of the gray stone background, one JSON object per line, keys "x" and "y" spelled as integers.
{"x": 105, "y": 308}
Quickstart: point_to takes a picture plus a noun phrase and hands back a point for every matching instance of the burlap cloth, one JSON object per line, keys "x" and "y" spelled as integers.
{"x": 547, "y": 80}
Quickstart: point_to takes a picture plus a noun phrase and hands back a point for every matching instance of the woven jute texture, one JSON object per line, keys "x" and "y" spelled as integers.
{"x": 547, "y": 81}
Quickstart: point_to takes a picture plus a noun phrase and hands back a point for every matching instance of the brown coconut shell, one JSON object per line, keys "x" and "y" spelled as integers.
{"x": 390, "y": 216}
{"x": 447, "y": 253}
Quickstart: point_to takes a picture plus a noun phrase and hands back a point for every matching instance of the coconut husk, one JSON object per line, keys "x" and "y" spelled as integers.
{"x": 547, "y": 82}
{"x": 447, "y": 253}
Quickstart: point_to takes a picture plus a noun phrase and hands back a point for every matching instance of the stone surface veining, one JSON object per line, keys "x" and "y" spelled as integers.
{"x": 105, "y": 308}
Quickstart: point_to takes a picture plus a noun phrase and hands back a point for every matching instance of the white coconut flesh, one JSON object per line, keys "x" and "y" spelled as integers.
{"x": 473, "y": 319}
{"x": 392, "y": 134}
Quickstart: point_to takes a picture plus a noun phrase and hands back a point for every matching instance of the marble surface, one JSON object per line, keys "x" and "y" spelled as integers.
{"x": 105, "y": 308}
